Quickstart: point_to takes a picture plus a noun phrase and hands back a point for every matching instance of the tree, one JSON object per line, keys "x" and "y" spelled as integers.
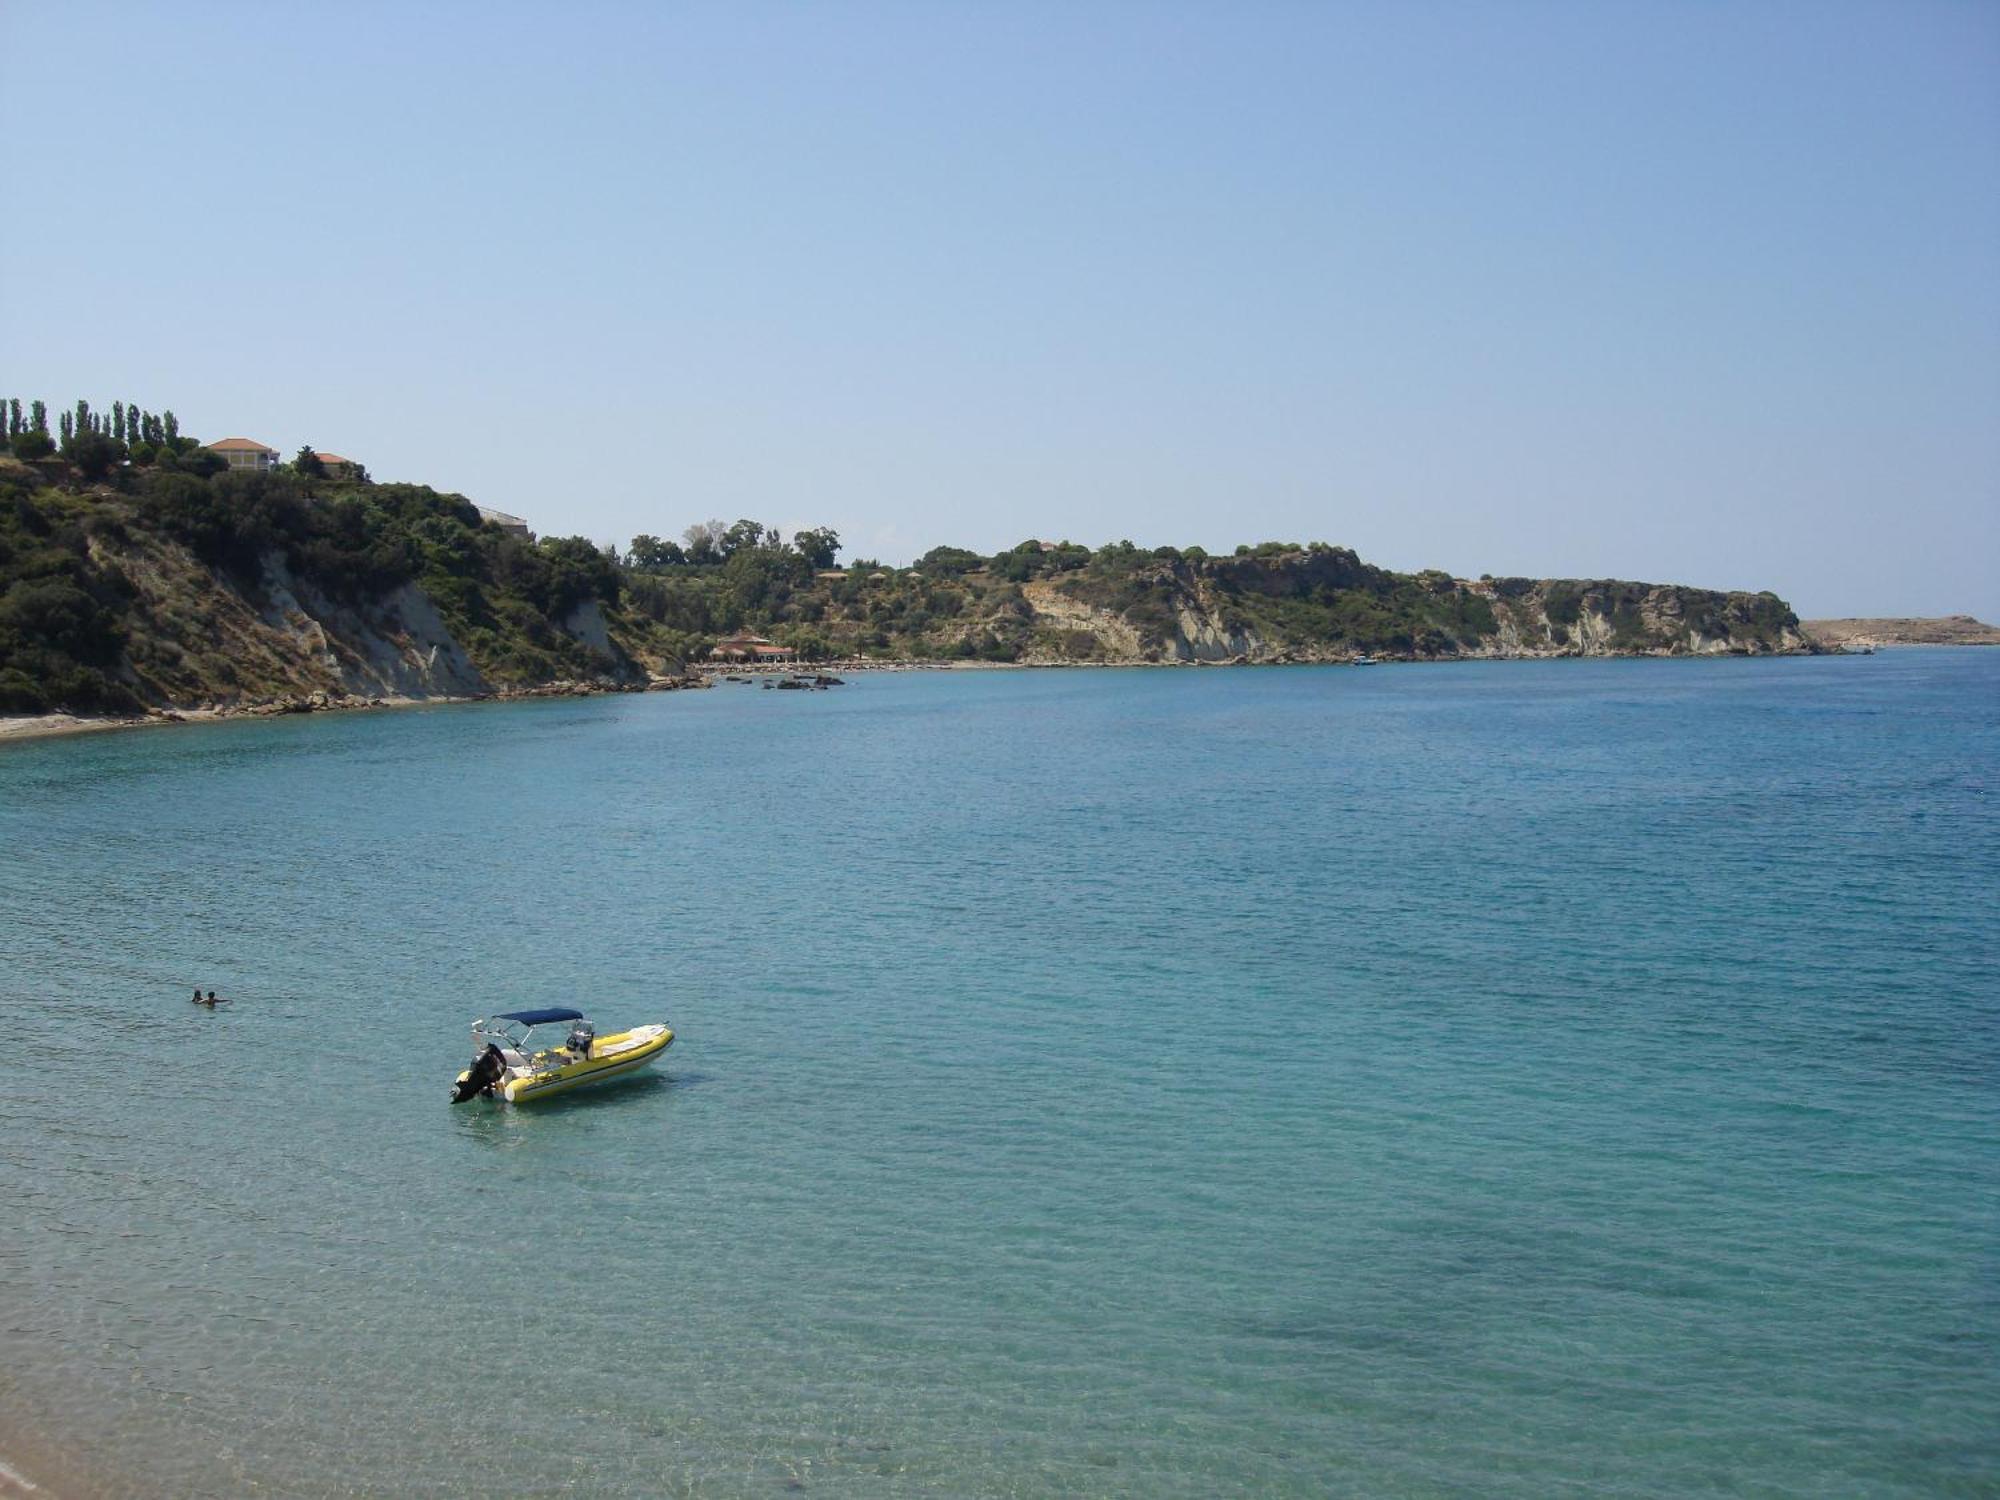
{"x": 118, "y": 420}
{"x": 94, "y": 454}
{"x": 703, "y": 541}
{"x": 811, "y": 645}
{"x": 38, "y": 420}
{"x": 68, "y": 424}
{"x": 28, "y": 443}
{"x": 818, "y": 545}
{"x": 308, "y": 463}
{"x": 744, "y": 534}
{"x": 576, "y": 571}
{"x": 171, "y": 425}
{"x": 648, "y": 554}
{"x": 14, "y": 416}
{"x": 945, "y": 561}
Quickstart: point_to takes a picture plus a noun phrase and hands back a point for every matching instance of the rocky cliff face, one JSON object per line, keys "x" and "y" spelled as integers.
{"x": 1324, "y": 604}
{"x": 199, "y": 639}
{"x": 1563, "y": 617}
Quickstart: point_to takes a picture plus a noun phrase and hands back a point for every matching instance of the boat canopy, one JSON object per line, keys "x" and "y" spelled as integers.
{"x": 540, "y": 1017}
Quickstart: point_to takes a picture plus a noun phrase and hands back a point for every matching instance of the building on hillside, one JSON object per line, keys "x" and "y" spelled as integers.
{"x": 743, "y": 647}
{"x": 243, "y": 453}
{"x": 336, "y": 466}
{"x": 512, "y": 525}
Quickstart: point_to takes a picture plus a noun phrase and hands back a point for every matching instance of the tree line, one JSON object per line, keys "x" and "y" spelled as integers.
{"x": 711, "y": 544}
{"x": 94, "y": 441}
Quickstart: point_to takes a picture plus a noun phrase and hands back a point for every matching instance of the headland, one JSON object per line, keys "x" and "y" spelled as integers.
{"x": 151, "y": 581}
{"x": 1943, "y": 630}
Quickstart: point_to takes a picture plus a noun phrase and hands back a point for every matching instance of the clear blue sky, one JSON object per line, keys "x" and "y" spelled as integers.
{"x": 1700, "y": 292}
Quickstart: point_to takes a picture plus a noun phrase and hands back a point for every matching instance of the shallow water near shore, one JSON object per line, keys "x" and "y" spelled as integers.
{"x": 1527, "y": 1079}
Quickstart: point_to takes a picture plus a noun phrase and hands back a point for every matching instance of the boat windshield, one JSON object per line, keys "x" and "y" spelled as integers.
{"x": 529, "y": 1038}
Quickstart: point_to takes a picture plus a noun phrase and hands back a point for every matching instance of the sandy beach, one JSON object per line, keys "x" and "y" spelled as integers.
{"x": 29, "y": 1468}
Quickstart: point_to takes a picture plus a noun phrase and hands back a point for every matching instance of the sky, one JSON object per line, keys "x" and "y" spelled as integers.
{"x": 1692, "y": 292}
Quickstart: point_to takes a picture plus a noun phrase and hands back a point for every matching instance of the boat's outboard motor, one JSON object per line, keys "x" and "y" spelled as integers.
{"x": 486, "y": 1070}
{"x": 581, "y": 1035}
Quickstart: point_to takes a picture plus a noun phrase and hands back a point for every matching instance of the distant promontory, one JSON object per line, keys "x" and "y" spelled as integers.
{"x": 1943, "y": 630}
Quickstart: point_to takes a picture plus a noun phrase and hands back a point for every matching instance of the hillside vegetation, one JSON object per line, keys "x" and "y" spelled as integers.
{"x": 147, "y": 576}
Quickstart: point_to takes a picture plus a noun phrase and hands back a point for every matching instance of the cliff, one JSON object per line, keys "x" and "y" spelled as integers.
{"x": 184, "y": 590}
{"x": 1323, "y": 603}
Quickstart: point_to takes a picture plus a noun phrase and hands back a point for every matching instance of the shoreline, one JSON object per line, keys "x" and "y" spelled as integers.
{"x": 28, "y": 1478}
{"x": 49, "y": 726}
{"x": 18, "y": 727}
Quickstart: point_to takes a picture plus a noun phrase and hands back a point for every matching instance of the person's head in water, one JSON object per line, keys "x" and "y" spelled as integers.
{"x": 211, "y": 997}
{"x": 197, "y": 997}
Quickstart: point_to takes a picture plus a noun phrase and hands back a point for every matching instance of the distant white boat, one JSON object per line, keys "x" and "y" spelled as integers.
{"x": 1365, "y": 660}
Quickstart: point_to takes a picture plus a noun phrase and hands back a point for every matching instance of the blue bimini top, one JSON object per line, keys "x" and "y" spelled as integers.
{"x": 540, "y": 1017}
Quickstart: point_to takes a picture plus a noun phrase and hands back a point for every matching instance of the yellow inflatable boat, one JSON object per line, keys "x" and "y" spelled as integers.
{"x": 508, "y": 1066}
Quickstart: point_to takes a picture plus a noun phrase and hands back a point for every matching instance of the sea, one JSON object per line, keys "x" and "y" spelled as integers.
{"x": 1536, "y": 1079}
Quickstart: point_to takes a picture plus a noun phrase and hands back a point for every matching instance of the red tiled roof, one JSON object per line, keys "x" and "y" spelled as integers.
{"x": 330, "y": 458}
{"x": 238, "y": 445}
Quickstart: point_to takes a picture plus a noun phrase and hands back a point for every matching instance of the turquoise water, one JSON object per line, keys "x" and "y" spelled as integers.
{"x": 1541, "y": 1079}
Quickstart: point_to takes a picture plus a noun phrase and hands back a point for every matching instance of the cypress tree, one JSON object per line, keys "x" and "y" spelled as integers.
{"x": 118, "y": 420}
{"x": 13, "y": 416}
{"x": 40, "y": 422}
{"x": 67, "y": 424}
{"x": 171, "y": 425}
